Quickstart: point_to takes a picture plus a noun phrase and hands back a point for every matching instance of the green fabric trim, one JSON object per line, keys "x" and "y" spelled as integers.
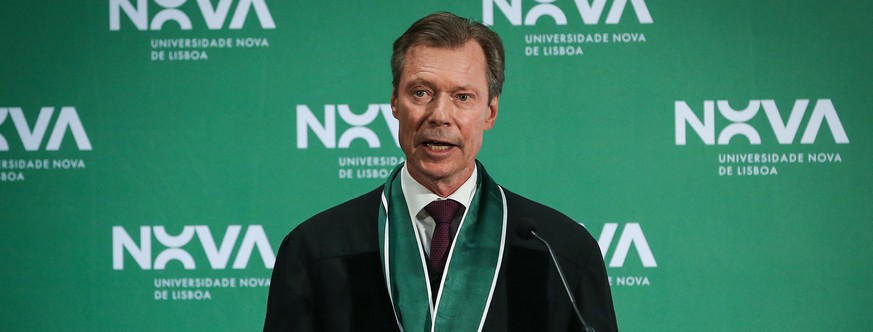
{"x": 471, "y": 269}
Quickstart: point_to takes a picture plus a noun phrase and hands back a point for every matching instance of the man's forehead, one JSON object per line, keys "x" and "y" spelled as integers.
{"x": 470, "y": 43}
{"x": 470, "y": 54}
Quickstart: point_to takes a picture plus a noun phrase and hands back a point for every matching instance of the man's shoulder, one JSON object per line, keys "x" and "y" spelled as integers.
{"x": 363, "y": 206}
{"x": 567, "y": 236}
{"x": 346, "y": 228}
{"x": 521, "y": 207}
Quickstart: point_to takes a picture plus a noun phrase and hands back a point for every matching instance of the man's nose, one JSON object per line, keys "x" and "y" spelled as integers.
{"x": 441, "y": 109}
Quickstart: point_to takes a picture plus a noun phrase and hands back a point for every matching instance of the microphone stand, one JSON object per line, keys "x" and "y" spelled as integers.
{"x": 585, "y": 326}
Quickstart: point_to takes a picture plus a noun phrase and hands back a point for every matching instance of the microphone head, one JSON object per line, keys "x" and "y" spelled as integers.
{"x": 525, "y": 227}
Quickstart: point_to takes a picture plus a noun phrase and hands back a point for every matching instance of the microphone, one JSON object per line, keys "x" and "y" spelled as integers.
{"x": 527, "y": 229}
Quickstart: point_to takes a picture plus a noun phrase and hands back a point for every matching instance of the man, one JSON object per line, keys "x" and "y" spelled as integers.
{"x": 439, "y": 247}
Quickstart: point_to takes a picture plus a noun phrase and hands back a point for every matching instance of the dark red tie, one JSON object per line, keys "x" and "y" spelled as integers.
{"x": 443, "y": 212}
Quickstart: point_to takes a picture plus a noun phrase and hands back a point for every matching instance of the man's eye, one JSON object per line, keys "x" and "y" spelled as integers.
{"x": 463, "y": 97}
{"x": 420, "y": 93}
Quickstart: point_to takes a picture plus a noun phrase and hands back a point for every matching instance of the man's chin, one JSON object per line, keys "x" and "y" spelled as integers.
{"x": 436, "y": 171}
{"x": 430, "y": 171}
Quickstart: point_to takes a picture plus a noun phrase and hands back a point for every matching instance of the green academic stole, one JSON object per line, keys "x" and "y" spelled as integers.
{"x": 471, "y": 269}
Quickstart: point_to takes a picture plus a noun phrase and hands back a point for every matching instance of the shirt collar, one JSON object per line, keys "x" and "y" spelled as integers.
{"x": 417, "y": 196}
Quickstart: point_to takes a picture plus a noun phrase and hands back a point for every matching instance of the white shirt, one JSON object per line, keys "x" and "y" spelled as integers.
{"x": 417, "y": 197}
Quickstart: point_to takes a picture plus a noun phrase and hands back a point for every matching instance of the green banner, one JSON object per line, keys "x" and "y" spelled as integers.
{"x": 154, "y": 153}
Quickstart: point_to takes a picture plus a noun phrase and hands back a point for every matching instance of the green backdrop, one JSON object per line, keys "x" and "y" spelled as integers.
{"x": 153, "y": 154}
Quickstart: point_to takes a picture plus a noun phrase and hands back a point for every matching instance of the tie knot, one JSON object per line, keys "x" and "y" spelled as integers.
{"x": 443, "y": 211}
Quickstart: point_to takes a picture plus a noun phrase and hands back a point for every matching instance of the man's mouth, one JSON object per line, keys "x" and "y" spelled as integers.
{"x": 438, "y": 146}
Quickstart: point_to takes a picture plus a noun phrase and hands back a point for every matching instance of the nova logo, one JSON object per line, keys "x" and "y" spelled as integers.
{"x": 784, "y": 131}
{"x": 589, "y": 11}
{"x": 213, "y": 16}
{"x": 632, "y": 234}
{"x": 32, "y": 137}
{"x": 326, "y": 132}
{"x": 218, "y": 256}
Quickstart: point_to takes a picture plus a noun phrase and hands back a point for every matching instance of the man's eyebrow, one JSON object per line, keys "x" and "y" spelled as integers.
{"x": 417, "y": 81}
{"x": 424, "y": 81}
{"x": 465, "y": 87}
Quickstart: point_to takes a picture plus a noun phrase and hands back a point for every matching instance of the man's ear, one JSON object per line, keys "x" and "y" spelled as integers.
{"x": 492, "y": 113}
{"x": 394, "y": 104}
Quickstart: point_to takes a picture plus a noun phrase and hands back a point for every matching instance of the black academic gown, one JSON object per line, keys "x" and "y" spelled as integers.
{"x": 328, "y": 275}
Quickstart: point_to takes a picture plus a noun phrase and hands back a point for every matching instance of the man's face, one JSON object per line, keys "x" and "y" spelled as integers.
{"x": 442, "y": 105}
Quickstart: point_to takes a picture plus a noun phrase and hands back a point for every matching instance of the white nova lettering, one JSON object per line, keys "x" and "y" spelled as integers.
{"x": 214, "y": 17}
{"x": 785, "y": 132}
{"x": 589, "y": 11}
{"x": 631, "y": 234}
{"x": 31, "y": 138}
{"x": 326, "y": 132}
{"x": 218, "y": 256}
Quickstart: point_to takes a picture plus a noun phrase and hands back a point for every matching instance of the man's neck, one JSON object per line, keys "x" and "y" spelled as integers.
{"x": 445, "y": 186}
{"x": 418, "y": 196}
